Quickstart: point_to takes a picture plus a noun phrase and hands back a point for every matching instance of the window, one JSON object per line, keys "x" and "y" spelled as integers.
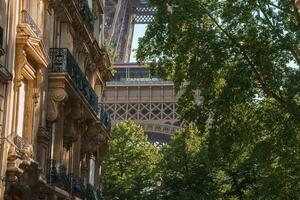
{"x": 98, "y": 90}
{"x": 66, "y": 159}
{"x": 90, "y": 3}
{"x": 31, "y": 6}
{"x": 21, "y": 108}
{"x": 92, "y": 171}
{"x": 34, "y": 10}
{"x": 66, "y": 38}
{"x": 1, "y": 113}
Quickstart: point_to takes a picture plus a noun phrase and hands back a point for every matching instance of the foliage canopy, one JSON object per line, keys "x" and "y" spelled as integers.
{"x": 244, "y": 58}
{"x": 129, "y": 169}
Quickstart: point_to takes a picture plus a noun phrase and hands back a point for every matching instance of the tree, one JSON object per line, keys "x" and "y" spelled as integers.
{"x": 244, "y": 57}
{"x": 184, "y": 168}
{"x": 242, "y": 47}
{"x": 129, "y": 169}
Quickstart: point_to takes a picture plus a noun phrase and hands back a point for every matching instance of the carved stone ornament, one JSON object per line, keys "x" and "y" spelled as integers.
{"x": 92, "y": 67}
{"x": 93, "y": 138}
{"x": 22, "y": 173}
{"x": 72, "y": 123}
{"x": 18, "y": 81}
{"x": 56, "y": 96}
{"x": 36, "y": 97}
{"x": 43, "y": 136}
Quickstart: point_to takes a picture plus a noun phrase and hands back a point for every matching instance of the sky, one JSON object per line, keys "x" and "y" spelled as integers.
{"x": 138, "y": 32}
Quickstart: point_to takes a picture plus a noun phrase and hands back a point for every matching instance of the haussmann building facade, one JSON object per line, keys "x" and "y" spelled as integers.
{"x": 53, "y": 70}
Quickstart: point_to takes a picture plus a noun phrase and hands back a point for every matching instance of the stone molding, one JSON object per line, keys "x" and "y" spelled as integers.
{"x": 55, "y": 98}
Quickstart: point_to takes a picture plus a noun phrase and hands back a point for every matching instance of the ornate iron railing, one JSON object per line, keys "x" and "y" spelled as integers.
{"x": 63, "y": 61}
{"x": 26, "y": 18}
{"x": 90, "y": 192}
{"x": 104, "y": 117}
{"x": 64, "y": 180}
{"x": 19, "y": 142}
{"x": 78, "y": 188}
{"x": 71, "y": 184}
{"x": 1, "y": 37}
{"x": 139, "y": 82}
{"x": 52, "y": 172}
{"x": 86, "y": 13}
{"x": 4, "y": 73}
{"x": 59, "y": 177}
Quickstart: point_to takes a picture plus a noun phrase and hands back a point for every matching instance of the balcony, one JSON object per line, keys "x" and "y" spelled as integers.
{"x": 86, "y": 13}
{"x": 63, "y": 62}
{"x": 104, "y": 117}
{"x": 1, "y": 37}
{"x": 73, "y": 185}
{"x": 2, "y": 52}
{"x": 27, "y": 19}
{"x": 5, "y": 75}
{"x": 81, "y": 17}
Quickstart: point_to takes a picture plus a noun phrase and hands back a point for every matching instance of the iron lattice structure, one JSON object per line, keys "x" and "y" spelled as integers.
{"x": 149, "y": 102}
{"x": 160, "y": 120}
{"x": 144, "y": 111}
{"x": 134, "y": 94}
{"x": 143, "y": 15}
{"x": 121, "y": 16}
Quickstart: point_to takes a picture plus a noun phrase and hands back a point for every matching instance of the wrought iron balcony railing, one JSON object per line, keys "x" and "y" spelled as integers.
{"x": 4, "y": 73}
{"x": 1, "y": 37}
{"x": 26, "y": 18}
{"x": 78, "y": 188}
{"x": 71, "y": 184}
{"x": 86, "y": 13}
{"x": 64, "y": 179}
{"x": 63, "y": 61}
{"x": 2, "y": 51}
{"x": 104, "y": 117}
{"x": 19, "y": 142}
{"x": 90, "y": 192}
{"x": 141, "y": 81}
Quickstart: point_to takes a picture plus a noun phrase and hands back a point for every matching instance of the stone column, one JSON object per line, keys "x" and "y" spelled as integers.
{"x": 84, "y": 169}
{"x": 97, "y": 177}
{"x": 58, "y": 138}
{"x": 76, "y": 156}
{"x": 55, "y": 114}
{"x": 42, "y": 146}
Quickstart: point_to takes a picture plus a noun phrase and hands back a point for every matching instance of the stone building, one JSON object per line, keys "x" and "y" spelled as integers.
{"x": 54, "y": 131}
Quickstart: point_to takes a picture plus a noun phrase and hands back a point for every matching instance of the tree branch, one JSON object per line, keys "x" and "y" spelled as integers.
{"x": 283, "y": 10}
{"x": 293, "y": 52}
{"x": 263, "y": 84}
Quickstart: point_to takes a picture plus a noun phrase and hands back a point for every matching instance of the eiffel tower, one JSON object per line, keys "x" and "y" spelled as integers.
{"x": 133, "y": 93}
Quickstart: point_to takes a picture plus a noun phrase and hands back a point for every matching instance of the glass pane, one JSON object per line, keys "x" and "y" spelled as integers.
{"x": 1, "y": 112}
{"x": 92, "y": 171}
{"x": 21, "y": 109}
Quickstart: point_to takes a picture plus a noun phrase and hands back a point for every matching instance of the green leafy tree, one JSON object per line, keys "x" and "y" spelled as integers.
{"x": 244, "y": 57}
{"x": 129, "y": 169}
{"x": 184, "y": 168}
